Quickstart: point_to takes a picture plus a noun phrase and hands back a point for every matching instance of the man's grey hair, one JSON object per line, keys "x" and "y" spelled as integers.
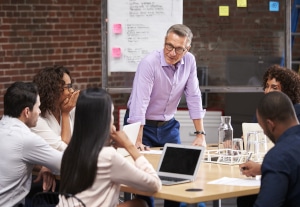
{"x": 182, "y": 31}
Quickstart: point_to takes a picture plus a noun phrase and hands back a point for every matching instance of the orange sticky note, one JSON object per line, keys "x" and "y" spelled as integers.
{"x": 117, "y": 28}
{"x": 223, "y": 11}
{"x": 116, "y": 52}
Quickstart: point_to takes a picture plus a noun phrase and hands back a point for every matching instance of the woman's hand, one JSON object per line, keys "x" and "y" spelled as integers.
{"x": 69, "y": 103}
{"x": 120, "y": 139}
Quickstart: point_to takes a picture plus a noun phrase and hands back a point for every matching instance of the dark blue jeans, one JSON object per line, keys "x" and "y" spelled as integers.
{"x": 157, "y": 137}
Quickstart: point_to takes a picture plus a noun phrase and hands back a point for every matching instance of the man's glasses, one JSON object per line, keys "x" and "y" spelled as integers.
{"x": 178, "y": 50}
{"x": 69, "y": 86}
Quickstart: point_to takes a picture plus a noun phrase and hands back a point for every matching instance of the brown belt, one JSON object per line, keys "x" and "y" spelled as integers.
{"x": 156, "y": 123}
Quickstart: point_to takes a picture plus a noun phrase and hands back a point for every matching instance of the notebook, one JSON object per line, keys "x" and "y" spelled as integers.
{"x": 131, "y": 131}
{"x": 179, "y": 163}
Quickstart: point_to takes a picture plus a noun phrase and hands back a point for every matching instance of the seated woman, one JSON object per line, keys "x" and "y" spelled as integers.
{"x": 91, "y": 165}
{"x": 58, "y": 100}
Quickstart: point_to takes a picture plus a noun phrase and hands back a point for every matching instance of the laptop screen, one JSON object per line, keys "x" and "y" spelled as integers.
{"x": 180, "y": 160}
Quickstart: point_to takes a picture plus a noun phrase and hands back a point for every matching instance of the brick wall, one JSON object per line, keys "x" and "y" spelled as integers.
{"x": 39, "y": 33}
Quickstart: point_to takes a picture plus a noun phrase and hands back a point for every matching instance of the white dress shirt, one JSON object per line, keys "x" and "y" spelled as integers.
{"x": 20, "y": 150}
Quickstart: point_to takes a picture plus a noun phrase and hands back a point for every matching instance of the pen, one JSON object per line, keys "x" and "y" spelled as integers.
{"x": 248, "y": 158}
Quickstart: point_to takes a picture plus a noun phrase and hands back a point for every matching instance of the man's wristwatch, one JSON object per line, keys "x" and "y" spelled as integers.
{"x": 200, "y": 132}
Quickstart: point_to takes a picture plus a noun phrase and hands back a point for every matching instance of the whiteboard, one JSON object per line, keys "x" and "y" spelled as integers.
{"x": 136, "y": 28}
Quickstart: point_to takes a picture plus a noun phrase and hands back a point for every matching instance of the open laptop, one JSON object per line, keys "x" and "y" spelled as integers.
{"x": 179, "y": 163}
{"x": 131, "y": 130}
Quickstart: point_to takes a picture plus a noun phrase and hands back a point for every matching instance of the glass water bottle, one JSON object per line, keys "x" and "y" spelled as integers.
{"x": 225, "y": 135}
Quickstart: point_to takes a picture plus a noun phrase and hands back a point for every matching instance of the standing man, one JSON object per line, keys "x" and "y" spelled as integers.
{"x": 281, "y": 165}
{"x": 160, "y": 80}
{"x": 20, "y": 149}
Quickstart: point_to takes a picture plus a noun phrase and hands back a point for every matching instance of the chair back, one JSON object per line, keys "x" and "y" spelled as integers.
{"x": 52, "y": 199}
{"x": 248, "y": 127}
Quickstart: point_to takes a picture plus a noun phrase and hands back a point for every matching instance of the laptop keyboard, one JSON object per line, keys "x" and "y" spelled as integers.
{"x": 171, "y": 178}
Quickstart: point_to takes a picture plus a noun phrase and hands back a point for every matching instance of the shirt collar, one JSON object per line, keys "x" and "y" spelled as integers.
{"x": 11, "y": 120}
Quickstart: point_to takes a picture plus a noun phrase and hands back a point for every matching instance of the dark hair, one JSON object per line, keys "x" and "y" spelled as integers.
{"x": 276, "y": 106}
{"x": 19, "y": 96}
{"x": 50, "y": 84}
{"x": 91, "y": 131}
{"x": 182, "y": 31}
{"x": 289, "y": 81}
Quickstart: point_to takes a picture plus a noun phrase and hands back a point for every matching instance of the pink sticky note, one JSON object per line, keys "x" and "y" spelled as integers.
{"x": 116, "y": 52}
{"x": 117, "y": 28}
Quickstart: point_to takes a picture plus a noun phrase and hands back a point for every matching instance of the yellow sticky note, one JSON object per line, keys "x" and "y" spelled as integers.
{"x": 241, "y": 3}
{"x": 223, "y": 11}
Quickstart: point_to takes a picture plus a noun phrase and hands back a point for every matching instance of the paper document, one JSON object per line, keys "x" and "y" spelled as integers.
{"x": 236, "y": 181}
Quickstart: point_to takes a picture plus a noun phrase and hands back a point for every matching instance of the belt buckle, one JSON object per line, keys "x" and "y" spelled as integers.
{"x": 161, "y": 123}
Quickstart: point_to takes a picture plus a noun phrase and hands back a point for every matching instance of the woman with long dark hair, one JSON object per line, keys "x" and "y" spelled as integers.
{"x": 91, "y": 166}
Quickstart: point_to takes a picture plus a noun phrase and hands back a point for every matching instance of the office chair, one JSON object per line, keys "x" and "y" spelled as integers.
{"x": 51, "y": 199}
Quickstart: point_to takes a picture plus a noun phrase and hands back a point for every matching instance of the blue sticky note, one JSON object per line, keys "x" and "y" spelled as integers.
{"x": 274, "y": 6}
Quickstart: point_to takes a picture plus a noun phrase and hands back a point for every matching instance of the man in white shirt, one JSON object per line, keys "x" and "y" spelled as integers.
{"x": 20, "y": 149}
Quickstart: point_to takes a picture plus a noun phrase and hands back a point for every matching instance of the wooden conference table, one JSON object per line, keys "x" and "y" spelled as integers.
{"x": 210, "y": 192}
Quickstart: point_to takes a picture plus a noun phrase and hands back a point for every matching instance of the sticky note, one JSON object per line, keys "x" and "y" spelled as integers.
{"x": 274, "y": 6}
{"x": 117, "y": 28}
{"x": 241, "y": 3}
{"x": 223, "y": 10}
{"x": 116, "y": 52}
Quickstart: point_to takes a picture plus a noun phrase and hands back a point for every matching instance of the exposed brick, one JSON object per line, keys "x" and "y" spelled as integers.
{"x": 9, "y": 20}
{"x": 5, "y": 27}
{"x": 4, "y": 79}
{"x": 7, "y": 7}
{"x": 4, "y": 66}
{"x": 33, "y": 65}
{"x": 8, "y": 46}
{"x": 3, "y": 40}
{"x": 12, "y": 72}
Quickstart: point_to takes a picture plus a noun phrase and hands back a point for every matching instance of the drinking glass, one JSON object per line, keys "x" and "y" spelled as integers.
{"x": 257, "y": 145}
{"x": 237, "y": 144}
{"x": 262, "y": 146}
